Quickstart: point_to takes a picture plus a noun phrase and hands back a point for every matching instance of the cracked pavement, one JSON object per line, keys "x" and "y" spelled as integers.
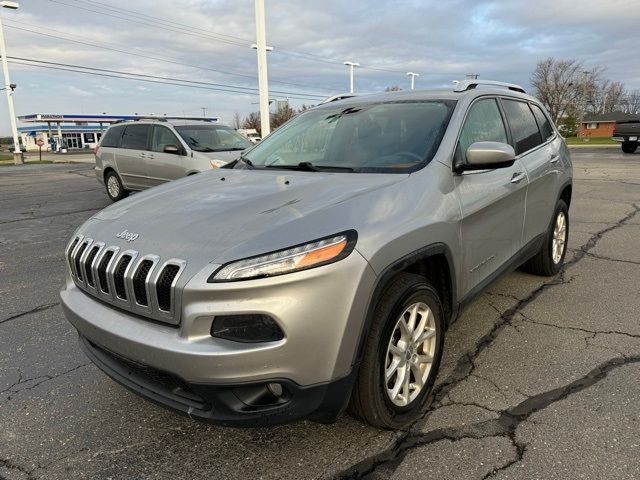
{"x": 540, "y": 377}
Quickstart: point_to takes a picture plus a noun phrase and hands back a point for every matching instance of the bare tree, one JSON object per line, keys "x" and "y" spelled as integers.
{"x": 630, "y": 103}
{"x": 237, "y": 121}
{"x": 393, "y": 88}
{"x": 253, "y": 122}
{"x": 606, "y": 96}
{"x": 555, "y": 84}
{"x": 284, "y": 114}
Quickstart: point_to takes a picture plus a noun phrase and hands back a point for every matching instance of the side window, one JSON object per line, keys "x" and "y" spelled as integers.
{"x": 543, "y": 122}
{"x": 162, "y": 137}
{"x": 524, "y": 128}
{"x": 135, "y": 137}
{"x": 483, "y": 124}
{"x": 112, "y": 137}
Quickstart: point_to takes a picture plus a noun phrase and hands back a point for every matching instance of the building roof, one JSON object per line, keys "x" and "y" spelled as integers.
{"x": 34, "y": 129}
{"x": 609, "y": 117}
{"x": 83, "y": 118}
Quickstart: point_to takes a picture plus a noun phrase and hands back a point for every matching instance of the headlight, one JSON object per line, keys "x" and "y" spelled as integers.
{"x": 301, "y": 257}
{"x": 217, "y": 163}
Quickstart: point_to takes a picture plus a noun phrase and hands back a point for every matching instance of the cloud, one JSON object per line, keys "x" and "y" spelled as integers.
{"x": 208, "y": 41}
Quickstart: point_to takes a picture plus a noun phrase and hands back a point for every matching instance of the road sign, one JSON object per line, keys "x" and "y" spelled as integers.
{"x": 40, "y": 142}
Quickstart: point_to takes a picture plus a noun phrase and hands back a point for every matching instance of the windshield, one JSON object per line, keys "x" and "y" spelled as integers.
{"x": 212, "y": 138}
{"x": 391, "y": 137}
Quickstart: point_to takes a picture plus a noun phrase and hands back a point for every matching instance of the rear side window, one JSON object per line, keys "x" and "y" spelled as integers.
{"x": 112, "y": 137}
{"x": 524, "y": 128}
{"x": 483, "y": 124}
{"x": 135, "y": 137}
{"x": 543, "y": 122}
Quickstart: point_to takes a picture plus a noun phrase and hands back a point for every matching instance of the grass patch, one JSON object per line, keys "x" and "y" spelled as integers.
{"x": 590, "y": 141}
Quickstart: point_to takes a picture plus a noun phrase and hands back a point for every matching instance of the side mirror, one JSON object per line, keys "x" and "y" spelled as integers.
{"x": 171, "y": 149}
{"x": 488, "y": 155}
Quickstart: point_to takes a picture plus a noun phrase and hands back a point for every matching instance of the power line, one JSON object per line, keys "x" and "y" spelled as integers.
{"x": 141, "y": 55}
{"x": 151, "y": 78}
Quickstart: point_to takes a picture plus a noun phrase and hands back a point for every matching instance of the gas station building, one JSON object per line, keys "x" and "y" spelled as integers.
{"x": 66, "y": 131}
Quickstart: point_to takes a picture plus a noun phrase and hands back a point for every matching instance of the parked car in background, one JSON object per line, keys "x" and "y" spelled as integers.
{"x": 251, "y": 134}
{"x": 321, "y": 269}
{"x": 140, "y": 154}
{"x": 627, "y": 132}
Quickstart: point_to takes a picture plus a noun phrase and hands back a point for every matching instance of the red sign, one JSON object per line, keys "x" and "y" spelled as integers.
{"x": 39, "y": 142}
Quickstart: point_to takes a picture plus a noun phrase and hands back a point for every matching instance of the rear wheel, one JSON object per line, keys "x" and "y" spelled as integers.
{"x": 402, "y": 354}
{"x": 629, "y": 147}
{"x": 115, "y": 190}
{"x": 549, "y": 259}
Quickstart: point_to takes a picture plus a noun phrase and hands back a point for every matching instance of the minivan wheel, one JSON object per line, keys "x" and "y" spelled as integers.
{"x": 549, "y": 259}
{"x": 402, "y": 354}
{"x": 629, "y": 147}
{"x": 115, "y": 190}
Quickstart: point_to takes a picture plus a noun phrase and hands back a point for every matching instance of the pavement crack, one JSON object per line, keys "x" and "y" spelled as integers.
{"x": 503, "y": 426}
{"x": 579, "y": 329}
{"x": 610, "y": 259}
{"x": 33, "y": 382}
{"x": 39, "y": 308}
{"x": 53, "y": 215}
{"x": 11, "y": 465}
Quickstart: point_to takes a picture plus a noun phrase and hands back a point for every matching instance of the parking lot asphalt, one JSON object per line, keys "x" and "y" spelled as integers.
{"x": 540, "y": 377}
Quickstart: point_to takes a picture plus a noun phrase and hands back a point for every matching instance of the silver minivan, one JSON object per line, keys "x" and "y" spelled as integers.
{"x": 141, "y": 154}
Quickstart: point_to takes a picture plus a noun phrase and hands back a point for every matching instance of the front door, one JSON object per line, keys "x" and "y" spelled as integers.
{"x": 163, "y": 167}
{"x": 492, "y": 202}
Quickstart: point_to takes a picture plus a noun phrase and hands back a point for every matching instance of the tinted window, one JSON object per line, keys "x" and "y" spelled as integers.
{"x": 483, "y": 124}
{"x": 212, "y": 138}
{"x": 543, "y": 122}
{"x": 112, "y": 137}
{"x": 390, "y": 137}
{"x": 524, "y": 128}
{"x": 162, "y": 137}
{"x": 135, "y": 137}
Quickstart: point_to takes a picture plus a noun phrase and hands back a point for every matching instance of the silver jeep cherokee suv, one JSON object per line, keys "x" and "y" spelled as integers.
{"x": 143, "y": 153}
{"x": 321, "y": 270}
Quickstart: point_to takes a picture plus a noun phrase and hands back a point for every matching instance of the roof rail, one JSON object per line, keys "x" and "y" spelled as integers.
{"x": 164, "y": 119}
{"x": 340, "y": 96}
{"x": 465, "y": 85}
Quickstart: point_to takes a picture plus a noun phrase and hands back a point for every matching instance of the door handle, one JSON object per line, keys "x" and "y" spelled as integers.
{"x": 554, "y": 158}
{"x": 517, "y": 177}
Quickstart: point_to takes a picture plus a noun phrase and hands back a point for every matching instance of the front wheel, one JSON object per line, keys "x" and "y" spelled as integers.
{"x": 402, "y": 354}
{"x": 548, "y": 261}
{"x": 629, "y": 147}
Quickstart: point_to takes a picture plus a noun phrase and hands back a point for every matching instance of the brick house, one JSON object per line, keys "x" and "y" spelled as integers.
{"x": 602, "y": 124}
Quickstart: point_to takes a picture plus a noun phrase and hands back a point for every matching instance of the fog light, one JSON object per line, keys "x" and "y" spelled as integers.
{"x": 275, "y": 389}
{"x": 251, "y": 328}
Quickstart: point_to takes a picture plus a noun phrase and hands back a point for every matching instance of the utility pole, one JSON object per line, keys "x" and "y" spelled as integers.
{"x": 413, "y": 76}
{"x": 204, "y": 112}
{"x": 351, "y": 65}
{"x": 9, "y": 87}
{"x": 583, "y": 101}
{"x": 263, "y": 82}
{"x": 472, "y": 76}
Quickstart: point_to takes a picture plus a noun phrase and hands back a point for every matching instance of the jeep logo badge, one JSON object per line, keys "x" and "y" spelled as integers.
{"x": 127, "y": 235}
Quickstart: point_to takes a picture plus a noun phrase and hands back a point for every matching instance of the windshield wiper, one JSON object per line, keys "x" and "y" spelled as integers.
{"x": 310, "y": 167}
{"x": 237, "y": 160}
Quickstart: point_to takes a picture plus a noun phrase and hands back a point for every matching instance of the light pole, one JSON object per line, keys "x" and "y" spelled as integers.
{"x": 413, "y": 76}
{"x": 9, "y": 87}
{"x": 351, "y": 65}
{"x": 583, "y": 102}
{"x": 263, "y": 82}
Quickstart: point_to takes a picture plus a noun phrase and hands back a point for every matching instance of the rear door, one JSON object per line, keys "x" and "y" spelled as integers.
{"x": 538, "y": 155}
{"x": 132, "y": 156}
{"x": 163, "y": 167}
{"x": 492, "y": 201}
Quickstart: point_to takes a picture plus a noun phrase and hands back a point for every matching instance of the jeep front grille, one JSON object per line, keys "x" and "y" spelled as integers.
{"x": 142, "y": 284}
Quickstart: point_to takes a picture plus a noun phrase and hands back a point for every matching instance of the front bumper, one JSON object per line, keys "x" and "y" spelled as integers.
{"x": 321, "y": 312}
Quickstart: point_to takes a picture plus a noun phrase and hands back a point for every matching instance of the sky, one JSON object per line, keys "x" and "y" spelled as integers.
{"x": 208, "y": 41}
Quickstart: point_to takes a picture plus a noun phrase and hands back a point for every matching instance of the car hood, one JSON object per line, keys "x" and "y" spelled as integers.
{"x": 225, "y": 214}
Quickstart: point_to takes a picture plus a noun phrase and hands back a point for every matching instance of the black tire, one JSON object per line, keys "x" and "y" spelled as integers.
{"x": 121, "y": 191}
{"x": 629, "y": 147}
{"x": 369, "y": 400}
{"x": 542, "y": 263}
